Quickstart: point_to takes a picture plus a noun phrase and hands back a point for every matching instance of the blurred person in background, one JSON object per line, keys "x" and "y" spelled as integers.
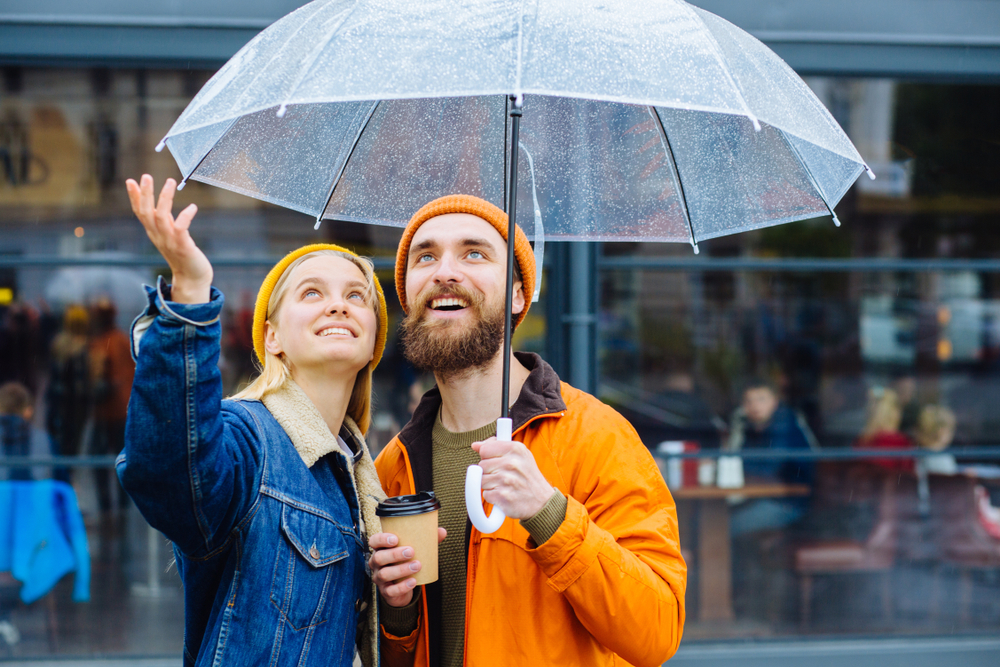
{"x": 764, "y": 422}
{"x": 18, "y": 436}
{"x": 67, "y": 394}
{"x": 20, "y": 333}
{"x": 882, "y": 429}
{"x": 935, "y": 429}
{"x": 111, "y": 373}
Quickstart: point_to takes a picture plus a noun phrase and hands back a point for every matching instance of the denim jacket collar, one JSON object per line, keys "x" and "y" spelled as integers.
{"x": 304, "y": 425}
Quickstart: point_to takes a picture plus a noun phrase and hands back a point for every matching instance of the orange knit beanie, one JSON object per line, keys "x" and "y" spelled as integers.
{"x": 480, "y": 208}
{"x": 264, "y": 296}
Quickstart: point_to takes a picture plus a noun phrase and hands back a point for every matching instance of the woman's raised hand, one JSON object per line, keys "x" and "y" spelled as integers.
{"x": 192, "y": 280}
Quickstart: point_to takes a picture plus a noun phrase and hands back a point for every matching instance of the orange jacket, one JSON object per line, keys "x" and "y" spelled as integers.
{"x": 606, "y": 589}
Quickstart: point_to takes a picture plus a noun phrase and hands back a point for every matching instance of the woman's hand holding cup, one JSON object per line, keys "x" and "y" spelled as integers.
{"x": 393, "y": 568}
{"x": 192, "y": 272}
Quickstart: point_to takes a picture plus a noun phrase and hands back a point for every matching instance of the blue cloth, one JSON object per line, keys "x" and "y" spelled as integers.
{"x": 42, "y": 537}
{"x": 269, "y": 550}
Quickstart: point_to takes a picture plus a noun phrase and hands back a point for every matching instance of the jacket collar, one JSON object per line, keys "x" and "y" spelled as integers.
{"x": 540, "y": 395}
{"x": 305, "y": 426}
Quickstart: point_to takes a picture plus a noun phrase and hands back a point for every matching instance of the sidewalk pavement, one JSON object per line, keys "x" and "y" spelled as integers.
{"x": 975, "y": 651}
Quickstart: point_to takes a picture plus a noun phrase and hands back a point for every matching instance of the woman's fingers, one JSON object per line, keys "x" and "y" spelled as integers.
{"x": 165, "y": 202}
{"x": 396, "y": 573}
{"x": 133, "y": 194}
{"x": 385, "y": 557}
{"x": 399, "y": 594}
{"x": 184, "y": 218}
{"x": 146, "y": 207}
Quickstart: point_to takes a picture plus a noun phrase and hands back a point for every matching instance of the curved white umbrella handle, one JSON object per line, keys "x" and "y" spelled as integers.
{"x": 474, "y": 490}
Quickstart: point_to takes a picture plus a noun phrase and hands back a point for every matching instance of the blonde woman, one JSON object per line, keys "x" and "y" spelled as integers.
{"x": 268, "y": 497}
{"x": 935, "y": 431}
{"x": 882, "y": 429}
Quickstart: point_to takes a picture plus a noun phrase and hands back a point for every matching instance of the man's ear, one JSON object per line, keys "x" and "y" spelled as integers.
{"x": 517, "y": 305}
{"x": 271, "y": 341}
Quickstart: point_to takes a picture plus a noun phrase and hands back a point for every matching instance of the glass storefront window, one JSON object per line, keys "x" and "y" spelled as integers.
{"x": 877, "y": 336}
{"x": 804, "y": 307}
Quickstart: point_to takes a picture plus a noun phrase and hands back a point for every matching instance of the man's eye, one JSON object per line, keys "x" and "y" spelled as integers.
{"x": 425, "y": 258}
{"x": 475, "y": 254}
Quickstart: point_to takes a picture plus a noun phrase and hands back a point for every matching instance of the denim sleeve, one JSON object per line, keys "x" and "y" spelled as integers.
{"x": 192, "y": 469}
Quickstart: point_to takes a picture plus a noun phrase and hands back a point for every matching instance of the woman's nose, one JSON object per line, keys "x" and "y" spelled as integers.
{"x": 337, "y": 304}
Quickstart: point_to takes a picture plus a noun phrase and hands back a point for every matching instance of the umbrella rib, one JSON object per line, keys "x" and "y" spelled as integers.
{"x": 278, "y": 54}
{"x": 720, "y": 57}
{"x": 317, "y": 51}
{"x": 343, "y": 165}
{"x": 676, "y": 174}
{"x": 812, "y": 179}
{"x": 204, "y": 157}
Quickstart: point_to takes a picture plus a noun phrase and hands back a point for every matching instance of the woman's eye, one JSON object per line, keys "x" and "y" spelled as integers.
{"x": 310, "y": 292}
{"x": 356, "y": 295}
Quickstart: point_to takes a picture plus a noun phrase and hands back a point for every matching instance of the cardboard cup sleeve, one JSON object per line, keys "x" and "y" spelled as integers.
{"x": 414, "y": 520}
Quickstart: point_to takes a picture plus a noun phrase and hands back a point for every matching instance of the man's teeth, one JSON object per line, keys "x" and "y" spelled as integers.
{"x": 451, "y": 301}
{"x": 335, "y": 330}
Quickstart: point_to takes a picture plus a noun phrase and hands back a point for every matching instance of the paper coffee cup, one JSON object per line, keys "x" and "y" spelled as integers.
{"x": 414, "y": 520}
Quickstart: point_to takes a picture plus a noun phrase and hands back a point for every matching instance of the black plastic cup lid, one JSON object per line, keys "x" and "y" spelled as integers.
{"x": 419, "y": 503}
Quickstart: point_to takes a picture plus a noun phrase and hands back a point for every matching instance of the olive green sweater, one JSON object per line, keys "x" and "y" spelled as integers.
{"x": 452, "y": 455}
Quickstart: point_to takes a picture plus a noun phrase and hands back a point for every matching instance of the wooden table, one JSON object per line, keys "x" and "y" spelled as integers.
{"x": 715, "y": 573}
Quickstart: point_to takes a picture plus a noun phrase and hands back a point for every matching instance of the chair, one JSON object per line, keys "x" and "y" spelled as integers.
{"x": 838, "y": 486}
{"x": 961, "y": 540}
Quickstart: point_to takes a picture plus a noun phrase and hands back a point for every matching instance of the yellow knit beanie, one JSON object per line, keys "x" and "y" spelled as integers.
{"x": 264, "y": 295}
{"x": 480, "y": 208}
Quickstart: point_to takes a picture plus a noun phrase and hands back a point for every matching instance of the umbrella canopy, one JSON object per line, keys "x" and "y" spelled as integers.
{"x": 665, "y": 124}
{"x": 87, "y": 285}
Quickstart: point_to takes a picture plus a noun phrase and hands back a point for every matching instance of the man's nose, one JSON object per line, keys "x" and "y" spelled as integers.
{"x": 448, "y": 270}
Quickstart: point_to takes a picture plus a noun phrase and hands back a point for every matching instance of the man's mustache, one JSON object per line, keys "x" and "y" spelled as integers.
{"x": 424, "y": 299}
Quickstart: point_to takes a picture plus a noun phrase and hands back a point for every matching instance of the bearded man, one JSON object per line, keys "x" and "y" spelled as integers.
{"x": 587, "y": 568}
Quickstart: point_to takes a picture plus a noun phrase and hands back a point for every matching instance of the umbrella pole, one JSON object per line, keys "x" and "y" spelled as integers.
{"x": 515, "y": 128}
{"x": 474, "y": 474}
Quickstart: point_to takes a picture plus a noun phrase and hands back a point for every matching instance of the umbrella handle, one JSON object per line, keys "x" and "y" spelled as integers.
{"x": 474, "y": 490}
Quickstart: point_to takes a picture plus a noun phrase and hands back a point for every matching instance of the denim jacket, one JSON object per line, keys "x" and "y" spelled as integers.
{"x": 270, "y": 552}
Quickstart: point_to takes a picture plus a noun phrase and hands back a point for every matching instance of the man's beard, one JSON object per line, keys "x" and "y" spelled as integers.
{"x": 447, "y": 348}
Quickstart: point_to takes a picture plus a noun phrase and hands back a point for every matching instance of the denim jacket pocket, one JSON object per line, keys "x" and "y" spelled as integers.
{"x": 306, "y": 570}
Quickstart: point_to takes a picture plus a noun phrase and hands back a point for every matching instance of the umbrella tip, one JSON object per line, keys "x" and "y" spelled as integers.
{"x": 319, "y": 221}
{"x": 836, "y": 220}
{"x": 180, "y": 186}
{"x": 694, "y": 246}
{"x": 871, "y": 174}
{"x": 756, "y": 123}
{"x": 281, "y": 110}
{"x": 159, "y": 146}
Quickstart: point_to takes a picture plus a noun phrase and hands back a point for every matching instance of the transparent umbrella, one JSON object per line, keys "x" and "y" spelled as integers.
{"x": 87, "y": 285}
{"x": 652, "y": 121}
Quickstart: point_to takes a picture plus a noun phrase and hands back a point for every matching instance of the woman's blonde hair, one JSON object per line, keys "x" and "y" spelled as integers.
{"x": 933, "y": 424}
{"x": 884, "y": 412}
{"x": 274, "y": 370}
